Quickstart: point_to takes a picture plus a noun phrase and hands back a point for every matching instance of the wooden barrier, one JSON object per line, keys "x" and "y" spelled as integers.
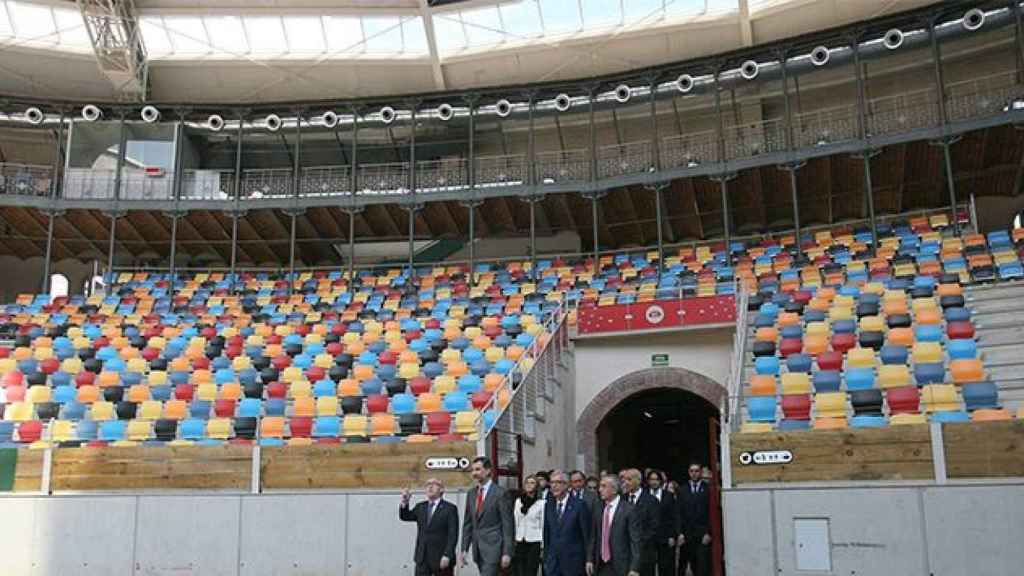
{"x": 28, "y": 473}
{"x": 225, "y": 467}
{"x": 894, "y": 453}
{"x": 984, "y": 449}
{"x": 360, "y": 465}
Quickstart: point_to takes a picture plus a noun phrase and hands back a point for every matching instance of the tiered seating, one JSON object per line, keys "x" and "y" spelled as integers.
{"x": 893, "y": 345}
{"x": 394, "y": 359}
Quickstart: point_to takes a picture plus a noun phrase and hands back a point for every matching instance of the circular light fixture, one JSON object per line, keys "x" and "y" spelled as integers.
{"x": 329, "y": 119}
{"x": 445, "y": 112}
{"x": 503, "y": 108}
{"x": 749, "y": 70}
{"x": 684, "y": 83}
{"x": 562, "y": 102}
{"x": 893, "y": 39}
{"x": 388, "y": 115}
{"x": 820, "y": 56}
{"x": 91, "y": 113}
{"x": 273, "y": 122}
{"x": 215, "y": 122}
{"x": 34, "y": 116}
{"x": 622, "y": 93}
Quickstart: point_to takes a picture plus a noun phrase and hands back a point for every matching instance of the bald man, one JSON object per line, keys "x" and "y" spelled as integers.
{"x": 437, "y": 530}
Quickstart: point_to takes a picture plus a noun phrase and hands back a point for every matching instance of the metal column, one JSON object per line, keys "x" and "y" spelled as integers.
{"x": 593, "y": 178}
{"x": 656, "y": 168}
{"x": 531, "y": 182}
{"x": 472, "y": 192}
{"x": 237, "y": 193}
{"x": 114, "y": 215}
{"x": 1018, "y": 40}
{"x": 862, "y": 129}
{"x": 179, "y": 134}
{"x": 354, "y": 182}
{"x": 412, "y": 190}
{"x": 792, "y": 166}
{"x": 294, "y": 213}
{"x": 946, "y": 140}
{"x": 723, "y": 181}
{"x": 51, "y": 213}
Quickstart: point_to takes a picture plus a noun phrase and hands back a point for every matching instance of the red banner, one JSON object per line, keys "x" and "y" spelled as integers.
{"x": 657, "y": 314}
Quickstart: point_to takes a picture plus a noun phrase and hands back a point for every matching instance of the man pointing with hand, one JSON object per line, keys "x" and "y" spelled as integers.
{"x": 437, "y": 530}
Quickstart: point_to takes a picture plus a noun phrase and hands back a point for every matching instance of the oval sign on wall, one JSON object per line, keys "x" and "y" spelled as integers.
{"x": 655, "y": 314}
{"x": 447, "y": 463}
{"x": 766, "y": 457}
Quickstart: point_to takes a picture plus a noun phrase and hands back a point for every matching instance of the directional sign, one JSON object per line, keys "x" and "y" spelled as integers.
{"x": 766, "y": 457}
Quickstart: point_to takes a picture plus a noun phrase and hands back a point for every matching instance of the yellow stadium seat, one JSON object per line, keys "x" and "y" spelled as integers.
{"x": 150, "y": 410}
{"x": 893, "y": 376}
{"x": 860, "y": 358}
{"x": 207, "y": 392}
{"x": 300, "y": 389}
{"x": 939, "y": 398}
{"x": 327, "y": 406}
{"x": 63, "y": 431}
{"x": 872, "y": 324}
{"x": 466, "y": 422}
{"x": 101, "y": 411}
{"x": 796, "y": 383}
{"x": 755, "y": 427}
{"x": 354, "y": 425}
{"x": 139, "y": 430}
{"x": 443, "y": 384}
{"x": 927, "y": 353}
{"x": 39, "y": 394}
{"x": 903, "y": 419}
{"x": 830, "y": 405}
{"x": 219, "y": 428}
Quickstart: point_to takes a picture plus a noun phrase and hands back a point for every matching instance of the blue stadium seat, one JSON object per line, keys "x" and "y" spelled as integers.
{"x": 929, "y": 374}
{"x": 761, "y": 408}
{"x": 827, "y": 381}
{"x": 980, "y": 395}
{"x": 860, "y": 379}
{"x": 768, "y": 365}
{"x": 962, "y": 349}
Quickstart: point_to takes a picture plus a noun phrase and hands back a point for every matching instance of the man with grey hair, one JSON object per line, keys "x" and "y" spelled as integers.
{"x": 566, "y": 530}
{"x": 614, "y": 548}
{"x": 646, "y": 507}
{"x": 437, "y": 530}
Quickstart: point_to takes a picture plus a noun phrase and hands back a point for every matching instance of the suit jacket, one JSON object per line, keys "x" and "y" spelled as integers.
{"x": 435, "y": 537}
{"x": 693, "y": 509}
{"x": 566, "y": 539}
{"x": 647, "y": 509}
{"x": 591, "y": 498}
{"x": 625, "y": 538}
{"x": 668, "y": 517}
{"x": 492, "y": 532}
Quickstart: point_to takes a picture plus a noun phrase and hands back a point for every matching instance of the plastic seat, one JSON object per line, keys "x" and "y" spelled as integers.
{"x": 836, "y": 423}
{"x": 843, "y": 342}
{"x": 905, "y": 399}
{"x": 382, "y": 425}
{"x": 860, "y": 379}
{"x": 893, "y": 376}
{"x": 102, "y": 411}
{"x": 762, "y": 385}
{"x": 978, "y": 395}
{"x": 991, "y": 415}
{"x": 192, "y": 429}
{"x": 929, "y": 374}
{"x": 866, "y": 402}
{"x": 950, "y": 417}
{"x": 827, "y": 381}
{"x": 830, "y": 405}
{"x": 796, "y": 406}
{"x": 860, "y": 358}
{"x": 767, "y": 365}
{"x": 272, "y": 427}
{"x": 868, "y": 421}
{"x": 439, "y": 423}
{"x": 304, "y": 407}
{"x": 139, "y": 430}
{"x": 799, "y": 363}
{"x": 759, "y": 409}
{"x": 830, "y": 361}
{"x": 907, "y": 419}
{"x": 928, "y": 333}
{"x": 326, "y": 427}
{"x": 112, "y": 430}
{"x": 962, "y": 349}
{"x": 300, "y": 427}
{"x": 354, "y": 425}
{"x": 796, "y": 383}
{"x": 939, "y": 397}
{"x": 967, "y": 370}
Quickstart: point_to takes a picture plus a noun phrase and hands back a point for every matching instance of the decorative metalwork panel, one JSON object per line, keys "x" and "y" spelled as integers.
{"x": 689, "y": 150}
{"x": 25, "y": 179}
{"x": 379, "y": 179}
{"x": 207, "y": 184}
{"x": 266, "y": 183}
{"x": 747, "y": 140}
{"x": 325, "y": 181}
{"x": 563, "y": 166}
{"x": 902, "y": 112}
{"x": 827, "y": 126}
{"x": 442, "y": 175}
{"x": 89, "y": 184}
{"x": 621, "y": 159}
{"x": 138, "y": 185}
{"x": 983, "y": 97}
{"x": 501, "y": 170}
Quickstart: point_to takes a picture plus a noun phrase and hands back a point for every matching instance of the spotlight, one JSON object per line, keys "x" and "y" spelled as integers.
{"x": 820, "y": 56}
{"x": 91, "y": 113}
{"x": 562, "y": 102}
{"x": 215, "y": 122}
{"x": 974, "y": 19}
{"x": 329, "y": 119}
{"x": 445, "y": 112}
{"x": 34, "y": 116}
{"x": 684, "y": 83}
{"x": 387, "y": 115}
{"x": 150, "y": 114}
{"x": 273, "y": 122}
{"x": 893, "y": 39}
{"x": 623, "y": 93}
{"x": 503, "y": 108}
{"x": 749, "y": 70}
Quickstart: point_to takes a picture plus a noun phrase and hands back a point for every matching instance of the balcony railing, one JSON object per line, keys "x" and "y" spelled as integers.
{"x": 977, "y": 98}
{"x": 25, "y": 179}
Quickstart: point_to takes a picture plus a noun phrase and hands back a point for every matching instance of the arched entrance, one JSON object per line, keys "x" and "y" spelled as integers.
{"x": 663, "y": 428}
{"x": 678, "y": 401}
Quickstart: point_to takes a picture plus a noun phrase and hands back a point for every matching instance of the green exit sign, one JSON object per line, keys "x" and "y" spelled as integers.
{"x": 659, "y": 360}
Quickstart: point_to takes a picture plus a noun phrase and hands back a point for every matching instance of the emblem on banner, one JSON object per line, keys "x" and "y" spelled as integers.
{"x": 655, "y": 314}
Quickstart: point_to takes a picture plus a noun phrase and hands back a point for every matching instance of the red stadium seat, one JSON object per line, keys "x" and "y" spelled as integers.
{"x": 797, "y": 406}
{"x": 790, "y": 346}
{"x": 903, "y": 400}
{"x": 300, "y": 426}
{"x": 439, "y": 423}
{"x": 843, "y": 342}
{"x": 960, "y": 329}
{"x": 377, "y": 403}
{"x": 832, "y": 360}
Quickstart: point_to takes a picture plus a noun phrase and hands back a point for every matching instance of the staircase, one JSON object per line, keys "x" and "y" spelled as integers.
{"x": 998, "y": 314}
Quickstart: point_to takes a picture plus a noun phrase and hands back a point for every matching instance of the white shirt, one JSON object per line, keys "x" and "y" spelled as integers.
{"x": 529, "y": 526}
{"x": 613, "y": 505}
{"x": 657, "y": 494}
{"x": 637, "y": 494}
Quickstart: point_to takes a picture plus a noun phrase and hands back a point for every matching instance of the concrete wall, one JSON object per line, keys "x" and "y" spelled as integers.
{"x": 564, "y": 242}
{"x": 554, "y": 446}
{"x": 906, "y": 530}
{"x": 600, "y": 361}
{"x": 356, "y": 534}
{"x": 25, "y": 276}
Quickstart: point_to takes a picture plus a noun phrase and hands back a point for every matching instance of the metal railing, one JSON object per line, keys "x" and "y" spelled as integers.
{"x": 622, "y": 159}
{"x": 563, "y": 166}
{"x": 25, "y": 179}
{"x": 970, "y": 99}
{"x": 735, "y": 391}
{"x": 514, "y": 401}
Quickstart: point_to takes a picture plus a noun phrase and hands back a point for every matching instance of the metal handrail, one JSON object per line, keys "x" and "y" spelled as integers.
{"x": 735, "y": 384}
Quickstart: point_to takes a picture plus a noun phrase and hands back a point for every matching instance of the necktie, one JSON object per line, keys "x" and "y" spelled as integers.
{"x": 561, "y": 509}
{"x": 430, "y": 511}
{"x": 693, "y": 487}
{"x": 479, "y": 500}
{"x": 606, "y": 539}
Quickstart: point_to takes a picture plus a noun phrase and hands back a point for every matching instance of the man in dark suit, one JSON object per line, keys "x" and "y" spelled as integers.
{"x": 668, "y": 523}
{"x": 437, "y": 530}
{"x": 566, "y": 530}
{"x": 647, "y": 509}
{"x": 695, "y": 534}
{"x": 578, "y": 482}
{"x": 614, "y": 548}
{"x": 488, "y": 526}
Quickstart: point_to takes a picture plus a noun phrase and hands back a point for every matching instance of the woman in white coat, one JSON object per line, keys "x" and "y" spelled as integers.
{"x": 529, "y": 517}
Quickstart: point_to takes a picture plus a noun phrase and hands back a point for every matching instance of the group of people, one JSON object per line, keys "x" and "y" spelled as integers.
{"x": 566, "y": 524}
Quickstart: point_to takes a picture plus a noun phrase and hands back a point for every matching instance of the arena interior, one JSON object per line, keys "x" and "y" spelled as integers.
{"x": 266, "y": 265}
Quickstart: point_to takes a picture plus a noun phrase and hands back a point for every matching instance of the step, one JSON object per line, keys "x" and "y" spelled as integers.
{"x": 994, "y": 291}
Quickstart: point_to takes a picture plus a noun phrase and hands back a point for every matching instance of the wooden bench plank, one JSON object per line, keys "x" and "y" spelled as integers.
{"x": 227, "y": 467}
{"x": 895, "y": 453}
{"x": 28, "y": 474}
{"x": 360, "y": 465}
{"x": 984, "y": 449}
